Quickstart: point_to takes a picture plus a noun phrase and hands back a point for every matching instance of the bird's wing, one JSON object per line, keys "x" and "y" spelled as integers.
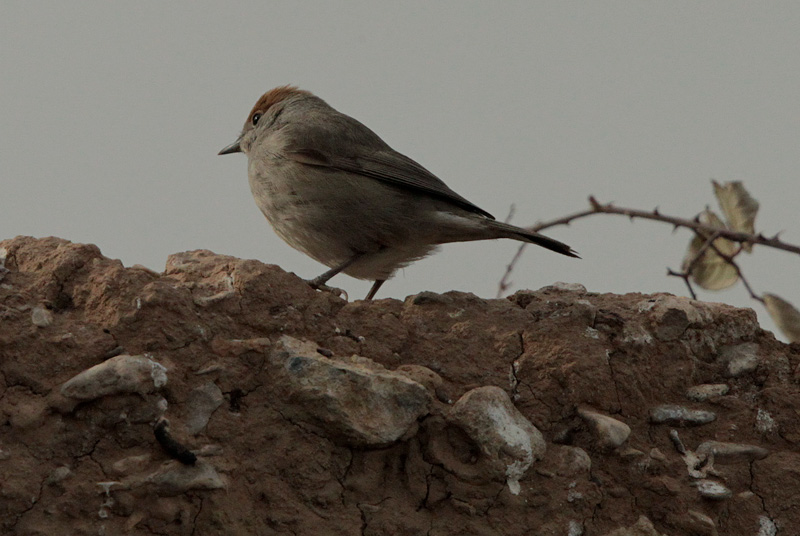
{"x": 371, "y": 157}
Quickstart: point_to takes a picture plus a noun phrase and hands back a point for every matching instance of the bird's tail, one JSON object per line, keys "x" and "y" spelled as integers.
{"x": 506, "y": 230}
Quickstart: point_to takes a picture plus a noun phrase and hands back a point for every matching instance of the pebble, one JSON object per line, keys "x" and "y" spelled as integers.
{"x": 642, "y": 527}
{"x": 426, "y": 377}
{"x": 175, "y": 478}
{"x": 713, "y": 490}
{"x": 701, "y": 393}
{"x": 41, "y": 317}
{"x": 569, "y": 287}
{"x": 764, "y": 422}
{"x": 130, "y": 464}
{"x": 571, "y": 461}
{"x": 703, "y": 522}
{"x": 118, "y": 375}
{"x": 352, "y": 400}
{"x": 202, "y": 402}
{"x": 610, "y": 433}
{"x": 740, "y": 359}
{"x": 670, "y": 413}
{"x": 508, "y": 442}
{"x": 58, "y": 474}
{"x": 630, "y": 452}
{"x": 575, "y": 528}
{"x": 723, "y": 452}
{"x": 766, "y": 527}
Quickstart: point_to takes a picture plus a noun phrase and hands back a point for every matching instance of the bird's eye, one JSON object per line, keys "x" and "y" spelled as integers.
{"x": 255, "y": 119}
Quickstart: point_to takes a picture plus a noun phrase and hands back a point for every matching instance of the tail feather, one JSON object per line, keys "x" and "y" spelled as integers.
{"x": 506, "y": 230}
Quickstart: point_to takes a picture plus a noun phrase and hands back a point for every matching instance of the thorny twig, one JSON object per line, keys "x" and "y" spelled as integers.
{"x": 511, "y": 210}
{"x": 706, "y": 231}
{"x": 504, "y": 281}
{"x": 686, "y": 273}
{"x": 735, "y": 266}
{"x": 734, "y": 236}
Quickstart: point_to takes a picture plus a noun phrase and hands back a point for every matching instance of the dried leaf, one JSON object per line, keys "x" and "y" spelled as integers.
{"x": 738, "y": 207}
{"x": 786, "y": 317}
{"x": 711, "y": 271}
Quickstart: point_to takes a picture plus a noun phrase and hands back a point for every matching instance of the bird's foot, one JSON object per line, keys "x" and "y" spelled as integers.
{"x": 325, "y": 288}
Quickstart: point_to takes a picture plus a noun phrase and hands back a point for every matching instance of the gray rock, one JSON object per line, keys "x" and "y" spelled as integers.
{"x": 41, "y": 317}
{"x": 731, "y": 452}
{"x": 671, "y": 413}
{"x": 118, "y": 375}
{"x": 570, "y": 287}
{"x": 701, "y": 393}
{"x": 570, "y": 461}
{"x": 704, "y": 524}
{"x": 130, "y": 464}
{"x": 508, "y": 442}
{"x": 610, "y": 432}
{"x": 201, "y": 403}
{"x": 671, "y": 325}
{"x": 425, "y": 376}
{"x": 58, "y": 474}
{"x": 740, "y": 359}
{"x": 174, "y": 478}
{"x": 766, "y": 527}
{"x": 642, "y": 527}
{"x": 713, "y": 490}
{"x": 671, "y": 315}
{"x": 354, "y": 401}
{"x": 764, "y": 422}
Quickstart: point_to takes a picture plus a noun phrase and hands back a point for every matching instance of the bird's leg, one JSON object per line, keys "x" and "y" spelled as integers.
{"x": 374, "y": 290}
{"x": 318, "y": 283}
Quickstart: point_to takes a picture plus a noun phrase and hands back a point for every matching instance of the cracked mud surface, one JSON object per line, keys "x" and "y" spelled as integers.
{"x": 95, "y": 467}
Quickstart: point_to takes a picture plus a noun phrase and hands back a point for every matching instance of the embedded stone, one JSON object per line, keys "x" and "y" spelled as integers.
{"x": 354, "y": 400}
{"x": 701, "y": 393}
{"x": 41, "y": 317}
{"x": 175, "y": 478}
{"x": 508, "y": 442}
{"x": 713, "y": 490}
{"x": 670, "y": 413}
{"x": 610, "y": 433}
{"x": 202, "y": 402}
{"x": 727, "y": 452}
{"x": 740, "y": 359}
{"x": 118, "y": 375}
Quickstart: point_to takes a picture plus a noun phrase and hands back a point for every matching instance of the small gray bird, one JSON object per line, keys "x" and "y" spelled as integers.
{"x": 331, "y": 188}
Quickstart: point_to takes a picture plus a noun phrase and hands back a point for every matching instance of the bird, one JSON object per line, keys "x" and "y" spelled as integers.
{"x": 333, "y": 189}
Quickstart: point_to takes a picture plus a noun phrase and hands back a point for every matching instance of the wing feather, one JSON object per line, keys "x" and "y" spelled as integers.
{"x": 371, "y": 157}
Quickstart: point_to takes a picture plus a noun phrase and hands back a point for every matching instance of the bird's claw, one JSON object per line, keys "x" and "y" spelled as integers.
{"x": 340, "y": 293}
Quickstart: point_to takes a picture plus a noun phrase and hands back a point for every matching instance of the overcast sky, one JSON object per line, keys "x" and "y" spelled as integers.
{"x": 113, "y": 114}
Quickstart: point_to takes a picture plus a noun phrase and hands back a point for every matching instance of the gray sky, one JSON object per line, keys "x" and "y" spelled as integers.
{"x": 113, "y": 114}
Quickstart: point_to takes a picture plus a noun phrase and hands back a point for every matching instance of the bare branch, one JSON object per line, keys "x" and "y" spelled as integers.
{"x": 686, "y": 279}
{"x": 504, "y": 281}
{"x": 511, "y": 210}
{"x": 686, "y": 273}
{"x": 705, "y": 231}
{"x": 735, "y": 265}
{"x": 735, "y": 236}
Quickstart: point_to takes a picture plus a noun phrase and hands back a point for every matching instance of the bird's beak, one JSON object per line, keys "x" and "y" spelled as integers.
{"x": 232, "y": 148}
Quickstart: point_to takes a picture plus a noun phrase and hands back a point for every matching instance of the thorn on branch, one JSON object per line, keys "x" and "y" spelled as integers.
{"x": 685, "y": 276}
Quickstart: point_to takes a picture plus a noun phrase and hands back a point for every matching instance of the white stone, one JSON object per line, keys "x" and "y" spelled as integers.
{"x": 41, "y": 317}
{"x": 509, "y": 443}
{"x": 118, "y": 375}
